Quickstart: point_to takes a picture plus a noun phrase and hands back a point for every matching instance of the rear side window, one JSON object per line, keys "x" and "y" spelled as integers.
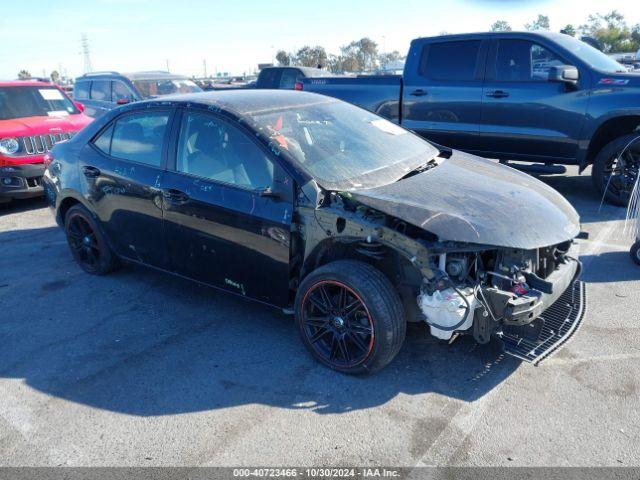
{"x": 103, "y": 142}
{"x": 81, "y": 90}
{"x": 101, "y": 90}
{"x": 524, "y": 61}
{"x": 269, "y": 78}
{"x": 289, "y": 78}
{"x": 120, "y": 92}
{"x": 137, "y": 137}
{"x": 451, "y": 60}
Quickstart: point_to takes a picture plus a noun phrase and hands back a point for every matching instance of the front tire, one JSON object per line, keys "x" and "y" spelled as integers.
{"x": 350, "y": 317}
{"x": 87, "y": 243}
{"x": 617, "y": 173}
{"x": 635, "y": 252}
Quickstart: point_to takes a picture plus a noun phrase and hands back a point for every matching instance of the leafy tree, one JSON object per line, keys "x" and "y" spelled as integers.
{"x": 312, "y": 56}
{"x": 359, "y": 55}
{"x": 283, "y": 58}
{"x": 368, "y": 53}
{"x": 348, "y": 59}
{"x": 635, "y": 33}
{"x": 55, "y": 76}
{"x": 540, "y": 23}
{"x": 389, "y": 57}
{"x": 612, "y": 32}
{"x": 501, "y": 26}
{"x": 569, "y": 30}
{"x": 24, "y": 74}
{"x": 333, "y": 63}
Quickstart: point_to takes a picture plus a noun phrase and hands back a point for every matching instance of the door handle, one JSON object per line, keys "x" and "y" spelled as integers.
{"x": 91, "y": 172}
{"x": 418, "y": 93}
{"x": 175, "y": 196}
{"x": 498, "y": 94}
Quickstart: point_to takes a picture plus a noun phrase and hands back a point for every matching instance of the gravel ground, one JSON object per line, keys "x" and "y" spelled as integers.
{"x": 140, "y": 369}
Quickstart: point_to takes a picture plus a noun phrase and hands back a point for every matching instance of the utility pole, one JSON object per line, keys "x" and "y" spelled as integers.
{"x": 167, "y": 64}
{"x": 204, "y": 64}
{"x": 85, "y": 54}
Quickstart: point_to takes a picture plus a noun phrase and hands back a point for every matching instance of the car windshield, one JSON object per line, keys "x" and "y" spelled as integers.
{"x": 164, "y": 86}
{"x": 34, "y": 101}
{"x": 594, "y": 57}
{"x": 344, "y": 147}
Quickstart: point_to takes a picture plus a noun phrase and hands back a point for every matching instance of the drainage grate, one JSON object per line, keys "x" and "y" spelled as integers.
{"x": 561, "y": 321}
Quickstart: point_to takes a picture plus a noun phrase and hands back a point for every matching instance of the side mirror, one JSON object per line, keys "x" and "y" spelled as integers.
{"x": 122, "y": 101}
{"x": 564, "y": 73}
{"x": 79, "y": 106}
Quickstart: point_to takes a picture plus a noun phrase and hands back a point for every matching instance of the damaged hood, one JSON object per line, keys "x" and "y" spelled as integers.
{"x": 473, "y": 200}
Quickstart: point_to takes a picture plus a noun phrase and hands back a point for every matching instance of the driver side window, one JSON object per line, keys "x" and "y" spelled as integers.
{"x": 212, "y": 148}
{"x": 524, "y": 61}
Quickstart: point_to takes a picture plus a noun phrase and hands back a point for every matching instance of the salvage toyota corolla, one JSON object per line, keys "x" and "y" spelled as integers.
{"x": 326, "y": 210}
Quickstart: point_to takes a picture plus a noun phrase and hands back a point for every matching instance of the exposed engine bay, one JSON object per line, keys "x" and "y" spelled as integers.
{"x": 488, "y": 290}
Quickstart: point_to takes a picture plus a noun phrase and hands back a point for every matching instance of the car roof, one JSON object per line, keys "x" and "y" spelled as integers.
{"x": 153, "y": 75}
{"x": 462, "y": 36}
{"x": 149, "y": 75}
{"x": 26, "y": 83}
{"x": 246, "y": 102}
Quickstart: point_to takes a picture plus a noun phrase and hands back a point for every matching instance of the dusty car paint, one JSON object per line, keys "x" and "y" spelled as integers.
{"x": 468, "y": 199}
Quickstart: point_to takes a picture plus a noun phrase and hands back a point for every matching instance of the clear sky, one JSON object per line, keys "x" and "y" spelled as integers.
{"x": 235, "y": 35}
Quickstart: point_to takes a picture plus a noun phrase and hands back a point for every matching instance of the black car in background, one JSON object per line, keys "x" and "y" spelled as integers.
{"x": 310, "y": 204}
{"x": 100, "y": 92}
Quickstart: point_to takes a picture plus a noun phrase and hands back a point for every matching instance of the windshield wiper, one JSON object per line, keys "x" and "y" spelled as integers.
{"x": 420, "y": 169}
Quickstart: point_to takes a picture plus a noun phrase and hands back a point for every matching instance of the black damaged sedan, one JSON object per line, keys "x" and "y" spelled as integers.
{"x": 316, "y": 206}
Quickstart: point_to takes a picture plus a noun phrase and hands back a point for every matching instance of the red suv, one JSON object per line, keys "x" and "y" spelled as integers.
{"x": 34, "y": 116}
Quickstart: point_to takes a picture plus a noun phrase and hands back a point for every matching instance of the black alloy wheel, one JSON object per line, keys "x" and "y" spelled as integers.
{"x": 87, "y": 244}
{"x": 615, "y": 169}
{"x": 337, "y": 324}
{"x": 350, "y": 317}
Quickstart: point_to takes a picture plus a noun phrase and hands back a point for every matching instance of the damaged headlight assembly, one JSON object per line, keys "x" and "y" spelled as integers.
{"x": 509, "y": 293}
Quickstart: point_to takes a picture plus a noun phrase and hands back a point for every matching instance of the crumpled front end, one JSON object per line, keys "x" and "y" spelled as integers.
{"x": 532, "y": 299}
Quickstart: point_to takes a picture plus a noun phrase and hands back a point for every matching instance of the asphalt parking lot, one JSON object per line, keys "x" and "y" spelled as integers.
{"x": 140, "y": 369}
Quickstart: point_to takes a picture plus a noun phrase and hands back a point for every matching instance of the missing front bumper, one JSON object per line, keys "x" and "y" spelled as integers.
{"x": 556, "y": 325}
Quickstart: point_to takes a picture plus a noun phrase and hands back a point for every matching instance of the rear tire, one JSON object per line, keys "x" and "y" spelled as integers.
{"x": 620, "y": 185}
{"x": 635, "y": 252}
{"x": 350, "y": 317}
{"x": 87, "y": 243}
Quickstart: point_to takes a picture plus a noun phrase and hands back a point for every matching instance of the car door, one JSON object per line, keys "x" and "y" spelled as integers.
{"x": 442, "y": 95}
{"x": 524, "y": 115}
{"x": 121, "y": 171}
{"x": 227, "y": 210}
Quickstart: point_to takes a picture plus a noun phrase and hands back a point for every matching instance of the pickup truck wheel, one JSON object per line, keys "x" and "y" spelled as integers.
{"x": 350, "y": 317}
{"x": 635, "y": 252}
{"x": 87, "y": 243}
{"x": 615, "y": 170}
